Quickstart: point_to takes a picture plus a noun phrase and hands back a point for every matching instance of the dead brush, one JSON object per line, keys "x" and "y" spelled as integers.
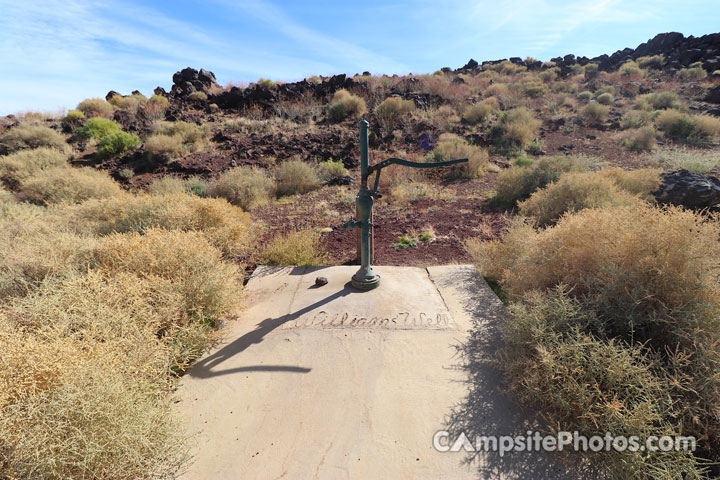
{"x": 646, "y": 282}
{"x": 225, "y": 226}
{"x": 299, "y": 247}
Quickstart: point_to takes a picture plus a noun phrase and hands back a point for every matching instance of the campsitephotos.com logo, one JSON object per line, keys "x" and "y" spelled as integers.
{"x": 443, "y": 441}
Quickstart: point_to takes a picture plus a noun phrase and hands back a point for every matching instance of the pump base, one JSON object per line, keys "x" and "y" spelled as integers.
{"x": 364, "y": 280}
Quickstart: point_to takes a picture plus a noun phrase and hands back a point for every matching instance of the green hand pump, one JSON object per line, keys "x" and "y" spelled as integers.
{"x": 366, "y": 278}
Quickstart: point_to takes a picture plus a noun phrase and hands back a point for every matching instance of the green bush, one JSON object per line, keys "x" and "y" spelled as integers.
{"x": 130, "y": 103}
{"x": 117, "y": 143}
{"x": 97, "y": 128}
{"x": 246, "y": 187}
{"x": 585, "y": 95}
{"x": 296, "y": 176}
{"x": 31, "y": 136}
{"x": 518, "y": 183}
{"x": 635, "y": 119}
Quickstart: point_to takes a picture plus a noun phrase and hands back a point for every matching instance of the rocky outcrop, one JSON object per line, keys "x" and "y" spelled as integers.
{"x": 688, "y": 189}
{"x": 679, "y": 52}
{"x": 189, "y": 80}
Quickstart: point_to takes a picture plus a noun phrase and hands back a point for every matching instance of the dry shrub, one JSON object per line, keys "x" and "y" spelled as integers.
{"x": 641, "y": 182}
{"x": 208, "y": 285}
{"x": 193, "y": 136}
{"x": 33, "y": 248}
{"x": 450, "y": 147}
{"x": 165, "y": 146}
{"x": 534, "y": 89}
{"x": 20, "y": 166}
{"x": 246, "y": 187}
{"x": 6, "y": 196}
{"x": 96, "y": 107}
{"x": 344, "y": 104}
{"x": 605, "y": 98}
{"x": 689, "y": 159}
{"x": 691, "y": 129}
{"x": 498, "y": 90}
{"x": 635, "y": 119}
{"x": 518, "y": 183}
{"x": 92, "y": 421}
{"x": 225, "y": 226}
{"x": 654, "y": 62}
{"x": 659, "y": 101}
{"x": 692, "y": 74}
{"x": 391, "y": 109}
{"x": 642, "y": 277}
{"x": 414, "y": 190}
{"x": 516, "y": 129}
{"x": 73, "y": 119}
{"x": 571, "y": 193}
{"x": 198, "y": 96}
{"x": 640, "y": 139}
{"x": 167, "y": 186}
{"x": 296, "y": 176}
{"x": 67, "y": 185}
{"x": 154, "y": 109}
{"x": 31, "y": 136}
{"x": 477, "y": 113}
{"x": 301, "y": 247}
{"x": 130, "y": 103}
{"x": 594, "y": 113}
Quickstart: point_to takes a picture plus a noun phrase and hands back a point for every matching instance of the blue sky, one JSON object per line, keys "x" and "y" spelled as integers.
{"x": 54, "y": 53}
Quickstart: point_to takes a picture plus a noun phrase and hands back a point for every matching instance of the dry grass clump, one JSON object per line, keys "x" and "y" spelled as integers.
{"x": 391, "y": 109}
{"x": 414, "y": 190}
{"x": 225, "y": 226}
{"x": 641, "y": 182}
{"x": 636, "y": 119}
{"x": 640, "y": 139}
{"x": 164, "y": 146}
{"x": 6, "y": 196}
{"x": 516, "y": 129}
{"x": 208, "y": 285}
{"x": 692, "y": 74}
{"x": 691, "y": 129}
{"x": 594, "y": 113}
{"x": 659, "y": 101}
{"x": 67, "y": 185}
{"x": 31, "y": 136}
{"x": 574, "y": 192}
{"x": 32, "y": 249}
{"x": 344, "y": 104}
{"x": 130, "y": 103}
{"x": 498, "y": 90}
{"x": 295, "y": 176}
{"x": 654, "y": 62}
{"x": 20, "y": 166}
{"x": 96, "y": 107}
{"x": 192, "y": 136}
{"x": 479, "y": 112}
{"x": 677, "y": 158}
{"x": 155, "y": 107}
{"x": 450, "y": 147}
{"x": 605, "y": 98}
{"x": 246, "y": 187}
{"x": 300, "y": 247}
{"x": 520, "y": 182}
{"x": 635, "y": 278}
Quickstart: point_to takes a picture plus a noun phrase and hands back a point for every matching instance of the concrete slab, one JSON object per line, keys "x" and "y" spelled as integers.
{"x": 335, "y": 383}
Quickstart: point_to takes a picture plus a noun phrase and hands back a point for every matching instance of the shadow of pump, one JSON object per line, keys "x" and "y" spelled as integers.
{"x": 204, "y": 367}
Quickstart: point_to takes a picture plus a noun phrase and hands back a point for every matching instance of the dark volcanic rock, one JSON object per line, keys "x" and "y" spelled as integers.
{"x": 189, "y": 80}
{"x": 688, "y": 189}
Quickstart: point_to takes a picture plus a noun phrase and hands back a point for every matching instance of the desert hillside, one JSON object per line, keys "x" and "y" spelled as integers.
{"x": 588, "y": 203}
